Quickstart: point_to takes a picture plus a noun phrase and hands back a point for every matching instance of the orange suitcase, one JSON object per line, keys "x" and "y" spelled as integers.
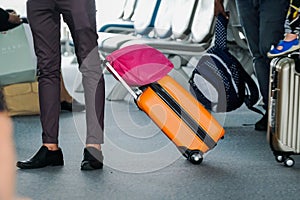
{"x": 181, "y": 117}
{"x": 178, "y": 114}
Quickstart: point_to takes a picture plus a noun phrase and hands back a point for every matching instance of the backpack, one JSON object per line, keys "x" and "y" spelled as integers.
{"x": 219, "y": 81}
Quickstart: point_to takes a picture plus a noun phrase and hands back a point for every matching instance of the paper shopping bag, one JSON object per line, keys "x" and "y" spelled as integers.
{"x": 22, "y": 99}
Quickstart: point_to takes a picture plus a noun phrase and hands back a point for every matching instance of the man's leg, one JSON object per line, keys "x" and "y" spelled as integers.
{"x": 80, "y": 16}
{"x": 45, "y": 26}
{"x": 44, "y": 22}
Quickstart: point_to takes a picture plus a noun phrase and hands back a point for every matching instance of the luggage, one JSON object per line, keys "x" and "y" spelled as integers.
{"x": 148, "y": 65}
{"x": 219, "y": 81}
{"x": 284, "y": 109}
{"x": 18, "y": 60}
{"x": 181, "y": 117}
{"x": 178, "y": 114}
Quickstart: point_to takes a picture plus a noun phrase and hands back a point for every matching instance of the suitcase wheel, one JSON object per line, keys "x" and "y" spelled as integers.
{"x": 279, "y": 158}
{"x": 289, "y": 162}
{"x": 195, "y": 157}
{"x": 286, "y": 160}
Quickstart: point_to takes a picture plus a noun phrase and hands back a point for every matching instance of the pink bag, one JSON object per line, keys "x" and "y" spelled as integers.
{"x": 140, "y": 64}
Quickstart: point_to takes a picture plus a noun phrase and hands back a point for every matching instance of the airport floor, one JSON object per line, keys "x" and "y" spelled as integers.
{"x": 142, "y": 164}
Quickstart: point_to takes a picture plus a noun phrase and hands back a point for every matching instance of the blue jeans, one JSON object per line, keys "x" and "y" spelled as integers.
{"x": 263, "y": 24}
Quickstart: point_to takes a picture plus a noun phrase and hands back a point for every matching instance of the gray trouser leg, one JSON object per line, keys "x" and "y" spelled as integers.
{"x": 80, "y": 16}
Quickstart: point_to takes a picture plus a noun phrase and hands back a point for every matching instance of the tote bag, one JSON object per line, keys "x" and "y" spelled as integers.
{"x": 17, "y": 57}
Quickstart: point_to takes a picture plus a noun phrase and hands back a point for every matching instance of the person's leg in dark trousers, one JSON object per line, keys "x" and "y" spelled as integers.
{"x": 44, "y": 21}
{"x": 263, "y": 24}
{"x": 80, "y": 16}
{"x": 44, "y": 18}
{"x": 45, "y": 25}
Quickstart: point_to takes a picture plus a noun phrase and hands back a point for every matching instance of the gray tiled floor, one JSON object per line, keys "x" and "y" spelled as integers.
{"x": 141, "y": 163}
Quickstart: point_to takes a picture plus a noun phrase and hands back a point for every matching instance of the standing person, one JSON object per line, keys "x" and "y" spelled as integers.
{"x": 292, "y": 26}
{"x": 263, "y": 24}
{"x": 44, "y": 20}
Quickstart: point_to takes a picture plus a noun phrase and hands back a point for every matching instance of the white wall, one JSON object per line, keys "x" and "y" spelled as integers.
{"x": 18, "y": 5}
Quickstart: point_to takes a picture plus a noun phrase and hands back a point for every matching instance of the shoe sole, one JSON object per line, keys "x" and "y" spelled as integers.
{"x": 21, "y": 166}
{"x": 293, "y": 48}
{"x": 87, "y": 166}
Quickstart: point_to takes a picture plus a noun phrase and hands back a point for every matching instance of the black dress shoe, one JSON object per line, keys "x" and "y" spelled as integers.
{"x": 262, "y": 124}
{"x": 75, "y": 106}
{"x": 92, "y": 159}
{"x": 43, "y": 158}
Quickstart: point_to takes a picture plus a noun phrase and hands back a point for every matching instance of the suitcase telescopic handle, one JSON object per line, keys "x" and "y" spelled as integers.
{"x": 114, "y": 72}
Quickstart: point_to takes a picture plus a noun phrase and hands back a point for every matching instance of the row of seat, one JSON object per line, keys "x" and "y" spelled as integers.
{"x": 178, "y": 28}
{"x": 175, "y": 27}
{"x": 160, "y": 20}
{"x": 181, "y": 29}
{"x": 137, "y": 16}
